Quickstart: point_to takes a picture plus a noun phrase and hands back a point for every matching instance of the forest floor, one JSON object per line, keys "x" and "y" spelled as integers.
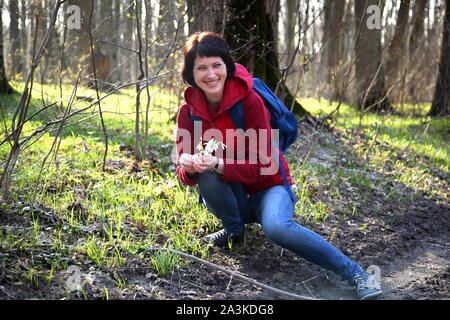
{"x": 404, "y": 239}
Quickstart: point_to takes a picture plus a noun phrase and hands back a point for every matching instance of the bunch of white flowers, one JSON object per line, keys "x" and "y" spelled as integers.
{"x": 211, "y": 146}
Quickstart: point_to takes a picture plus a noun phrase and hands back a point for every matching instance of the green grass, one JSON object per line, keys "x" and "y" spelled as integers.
{"x": 418, "y": 133}
{"x": 108, "y": 218}
{"x": 376, "y": 158}
{"x": 122, "y": 201}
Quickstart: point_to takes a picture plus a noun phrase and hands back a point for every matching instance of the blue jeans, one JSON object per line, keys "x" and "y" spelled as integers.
{"x": 273, "y": 209}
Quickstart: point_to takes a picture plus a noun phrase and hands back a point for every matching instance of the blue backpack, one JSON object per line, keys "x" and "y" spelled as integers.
{"x": 280, "y": 118}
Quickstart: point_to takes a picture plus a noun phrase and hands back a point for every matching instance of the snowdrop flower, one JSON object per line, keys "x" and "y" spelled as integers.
{"x": 210, "y": 147}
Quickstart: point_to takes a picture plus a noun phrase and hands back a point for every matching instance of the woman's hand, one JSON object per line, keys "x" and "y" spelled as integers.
{"x": 204, "y": 162}
{"x": 186, "y": 161}
{"x": 199, "y": 162}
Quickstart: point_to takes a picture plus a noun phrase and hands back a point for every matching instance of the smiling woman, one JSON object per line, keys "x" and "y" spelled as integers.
{"x": 204, "y": 45}
{"x": 237, "y": 192}
{"x": 210, "y": 74}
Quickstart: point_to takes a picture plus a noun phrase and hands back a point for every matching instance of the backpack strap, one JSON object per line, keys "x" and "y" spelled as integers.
{"x": 285, "y": 181}
{"x": 236, "y": 113}
{"x": 197, "y": 121}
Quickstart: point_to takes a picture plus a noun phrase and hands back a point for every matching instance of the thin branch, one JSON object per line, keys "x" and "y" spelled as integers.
{"x": 91, "y": 47}
{"x": 234, "y": 274}
{"x": 57, "y": 138}
{"x": 22, "y": 108}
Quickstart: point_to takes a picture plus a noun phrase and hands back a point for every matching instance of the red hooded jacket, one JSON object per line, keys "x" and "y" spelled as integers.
{"x": 239, "y": 165}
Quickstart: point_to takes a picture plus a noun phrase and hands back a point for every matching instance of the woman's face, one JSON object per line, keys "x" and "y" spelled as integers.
{"x": 210, "y": 74}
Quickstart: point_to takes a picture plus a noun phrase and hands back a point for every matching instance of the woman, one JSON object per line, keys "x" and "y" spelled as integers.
{"x": 237, "y": 191}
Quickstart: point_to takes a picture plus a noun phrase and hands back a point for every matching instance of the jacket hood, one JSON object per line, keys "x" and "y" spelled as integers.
{"x": 236, "y": 88}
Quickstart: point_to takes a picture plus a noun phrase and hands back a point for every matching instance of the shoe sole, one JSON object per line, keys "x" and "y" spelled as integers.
{"x": 232, "y": 242}
{"x": 371, "y": 295}
{"x": 218, "y": 243}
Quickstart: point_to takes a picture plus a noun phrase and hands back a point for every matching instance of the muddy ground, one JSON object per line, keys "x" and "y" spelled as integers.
{"x": 404, "y": 240}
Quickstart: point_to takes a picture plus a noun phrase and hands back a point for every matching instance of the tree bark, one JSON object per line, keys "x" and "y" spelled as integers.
{"x": 14, "y": 38}
{"x": 370, "y": 86}
{"x": 416, "y": 53}
{"x": 4, "y": 83}
{"x": 441, "y": 100}
{"x": 397, "y": 54}
{"x": 333, "y": 48}
{"x": 80, "y": 40}
{"x": 110, "y": 34}
{"x": 249, "y": 33}
{"x": 115, "y": 51}
{"x": 417, "y": 29}
{"x": 206, "y": 15}
{"x": 24, "y": 36}
{"x": 289, "y": 28}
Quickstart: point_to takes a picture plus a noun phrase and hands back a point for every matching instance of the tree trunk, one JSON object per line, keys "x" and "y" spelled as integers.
{"x": 417, "y": 28}
{"x": 24, "y": 36}
{"x": 4, "y": 84}
{"x": 325, "y": 38}
{"x": 416, "y": 53}
{"x": 116, "y": 57}
{"x": 289, "y": 28}
{"x": 250, "y": 35}
{"x": 80, "y": 44}
{"x": 370, "y": 88}
{"x": 441, "y": 99}
{"x": 333, "y": 49}
{"x": 348, "y": 33}
{"x": 128, "y": 64}
{"x": 14, "y": 38}
{"x": 109, "y": 49}
{"x": 206, "y": 15}
{"x": 397, "y": 48}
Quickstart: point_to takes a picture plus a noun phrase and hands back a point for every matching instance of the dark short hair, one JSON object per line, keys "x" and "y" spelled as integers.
{"x": 204, "y": 44}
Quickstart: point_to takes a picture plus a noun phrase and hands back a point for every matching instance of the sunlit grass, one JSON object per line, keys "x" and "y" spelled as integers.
{"x": 422, "y": 135}
{"x": 119, "y": 201}
{"x": 377, "y": 160}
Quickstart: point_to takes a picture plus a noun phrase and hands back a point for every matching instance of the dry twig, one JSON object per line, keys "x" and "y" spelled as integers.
{"x": 234, "y": 274}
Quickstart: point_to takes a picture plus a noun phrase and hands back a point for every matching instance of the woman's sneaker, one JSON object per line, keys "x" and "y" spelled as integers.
{"x": 223, "y": 238}
{"x": 367, "y": 286}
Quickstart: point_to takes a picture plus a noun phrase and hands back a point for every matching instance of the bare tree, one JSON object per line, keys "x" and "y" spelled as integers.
{"x": 441, "y": 99}
{"x": 4, "y": 83}
{"x": 397, "y": 54}
{"x": 14, "y": 37}
{"x": 417, "y": 26}
{"x": 332, "y": 46}
{"x": 137, "y": 150}
{"x": 416, "y": 45}
{"x": 250, "y": 34}
{"x": 370, "y": 86}
{"x": 206, "y": 15}
{"x": 20, "y": 115}
{"x": 289, "y": 27}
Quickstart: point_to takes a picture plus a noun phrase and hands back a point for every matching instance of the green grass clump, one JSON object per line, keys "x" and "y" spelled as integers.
{"x": 422, "y": 136}
{"x": 372, "y": 159}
